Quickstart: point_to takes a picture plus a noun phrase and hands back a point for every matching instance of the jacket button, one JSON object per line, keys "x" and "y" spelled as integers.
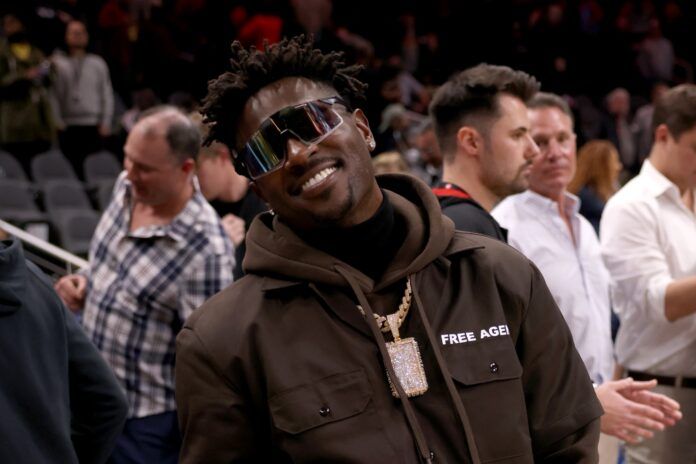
{"x": 324, "y": 411}
{"x": 493, "y": 367}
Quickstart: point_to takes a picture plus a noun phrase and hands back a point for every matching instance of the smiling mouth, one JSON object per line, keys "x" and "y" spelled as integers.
{"x": 318, "y": 177}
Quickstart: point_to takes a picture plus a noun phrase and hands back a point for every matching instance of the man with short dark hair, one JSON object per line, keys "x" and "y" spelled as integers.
{"x": 647, "y": 235}
{"x": 483, "y": 130}
{"x": 158, "y": 253}
{"x": 365, "y": 330}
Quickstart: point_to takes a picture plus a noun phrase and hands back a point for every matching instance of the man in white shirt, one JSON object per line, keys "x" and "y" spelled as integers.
{"x": 544, "y": 224}
{"x": 648, "y": 235}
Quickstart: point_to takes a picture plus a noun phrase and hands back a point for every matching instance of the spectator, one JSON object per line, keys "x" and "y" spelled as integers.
{"x": 396, "y": 124}
{"x": 282, "y": 367}
{"x": 425, "y": 156}
{"x": 656, "y": 55}
{"x": 390, "y": 162}
{"x": 143, "y": 100}
{"x": 545, "y": 226}
{"x": 482, "y": 128}
{"x": 647, "y": 234}
{"x": 228, "y": 193}
{"x": 119, "y": 32}
{"x": 596, "y": 178}
{"x": 59, "y": 401}
{"x": 26, "y": 122}
{"x": 643, "y": 121}
{"x": 158, "y": 253}
{"x": 84, "y": 101}
{"x": 620, "y": 131}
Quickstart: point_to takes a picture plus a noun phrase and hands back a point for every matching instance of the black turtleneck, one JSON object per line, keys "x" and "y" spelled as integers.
{"x": 369, "y": 246}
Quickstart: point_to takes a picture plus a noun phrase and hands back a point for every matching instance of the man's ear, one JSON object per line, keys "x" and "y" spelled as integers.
{"x": 662, "y": 133}
{"x": 222, "y": 152}
{"x": 188, "y": 166}
{"x": 363, "y": 126}
{"x": 469, "y": 141}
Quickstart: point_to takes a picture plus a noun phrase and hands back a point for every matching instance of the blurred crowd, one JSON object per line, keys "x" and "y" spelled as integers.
{"x": 610, "y": 59}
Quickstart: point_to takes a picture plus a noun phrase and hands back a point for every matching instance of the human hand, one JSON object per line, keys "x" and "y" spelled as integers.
{"x": 234, "y": 227}
{"x": 631, "y": 412}
{"x": 72, "y": 289}
{"x": 639, "y": 394}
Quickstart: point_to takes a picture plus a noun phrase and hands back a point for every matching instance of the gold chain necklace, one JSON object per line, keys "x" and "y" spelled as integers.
{"x": 404, "y": 353}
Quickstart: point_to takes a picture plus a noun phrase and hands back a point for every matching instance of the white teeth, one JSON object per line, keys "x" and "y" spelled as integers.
{"x": 318, "y": 177}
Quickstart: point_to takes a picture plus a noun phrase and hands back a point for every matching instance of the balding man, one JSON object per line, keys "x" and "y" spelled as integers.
{"x": 158, "y": 253}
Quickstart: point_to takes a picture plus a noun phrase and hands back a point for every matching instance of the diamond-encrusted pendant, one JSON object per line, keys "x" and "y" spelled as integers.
{"x": 408, "y": 365}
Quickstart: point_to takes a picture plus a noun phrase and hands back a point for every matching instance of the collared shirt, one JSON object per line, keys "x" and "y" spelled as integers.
{"x": 648, "y": 240}
{"x": 574, "y": 271}
{"x": 144, "y": 284}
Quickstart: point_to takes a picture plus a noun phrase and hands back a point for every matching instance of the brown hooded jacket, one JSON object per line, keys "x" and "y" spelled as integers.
{"x": 282, "y": 367}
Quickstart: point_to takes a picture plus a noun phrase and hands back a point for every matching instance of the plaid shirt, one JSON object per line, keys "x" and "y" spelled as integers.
{"x": 142, "y": 287}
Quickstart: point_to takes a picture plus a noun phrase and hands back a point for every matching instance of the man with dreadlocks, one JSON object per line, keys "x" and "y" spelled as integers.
{"x": 366, "y": 329}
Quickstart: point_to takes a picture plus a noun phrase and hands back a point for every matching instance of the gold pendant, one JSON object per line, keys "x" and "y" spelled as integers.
{"x": 408, "y": 365}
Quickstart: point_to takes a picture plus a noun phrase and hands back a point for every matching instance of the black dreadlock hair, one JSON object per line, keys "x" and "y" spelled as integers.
{"x": 254, "y": 69}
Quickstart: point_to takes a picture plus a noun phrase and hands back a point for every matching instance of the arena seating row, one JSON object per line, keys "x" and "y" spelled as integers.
{"x": 55, "y": 197}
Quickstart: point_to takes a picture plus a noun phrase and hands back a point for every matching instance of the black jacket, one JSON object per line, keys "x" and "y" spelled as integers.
{"x": 59, "y": 401}
{"x": 466, "y": 213}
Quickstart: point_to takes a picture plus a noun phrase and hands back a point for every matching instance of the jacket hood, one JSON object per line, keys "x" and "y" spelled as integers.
{"x": 13, "y": 276}
{"x": 274, "y": 250}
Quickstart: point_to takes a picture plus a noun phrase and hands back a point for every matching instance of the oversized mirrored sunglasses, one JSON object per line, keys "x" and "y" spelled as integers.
{"x": 310, "y": 123}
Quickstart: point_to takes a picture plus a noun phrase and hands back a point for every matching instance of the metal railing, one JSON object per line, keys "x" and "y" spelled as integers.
{"x": 72, "y": 262}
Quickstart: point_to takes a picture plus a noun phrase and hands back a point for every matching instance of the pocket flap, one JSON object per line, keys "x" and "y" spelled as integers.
{"x": 320, "y": 402}
{"x": 483, "y": 362}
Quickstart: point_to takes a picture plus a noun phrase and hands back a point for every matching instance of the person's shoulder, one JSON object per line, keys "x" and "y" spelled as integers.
{"x": 485, "y": 250}
{"x": 508, "y": 209}
{"x": 490, "y": 258}
{"x": 635, "y": 195}
{"x": 59, "y": 57}
{"x": 225, "y": 320}
{"x": 41, "y": 289}
{"x": 469, "y": 216}
{"x": 208, "y": 226}
{"x": 97, "y": 60}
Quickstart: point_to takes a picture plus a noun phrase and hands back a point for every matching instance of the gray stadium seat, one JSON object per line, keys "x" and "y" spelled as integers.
{"x": 75, "y": 229}
{"x": 62, "y": 195}
{"x": 101, "y": 166}
{"x": 51, "y": 165}
{"x": 104, "y": 191}
{"x": 11, "y": 169}
{"x": 17, "y": 203}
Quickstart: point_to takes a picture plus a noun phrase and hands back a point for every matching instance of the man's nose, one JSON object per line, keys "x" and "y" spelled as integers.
{"x": 128, "y": 166}
{"x": 554, "y": 150}
{"x": 532, "y": 149}
{"x": 297, "y": 152}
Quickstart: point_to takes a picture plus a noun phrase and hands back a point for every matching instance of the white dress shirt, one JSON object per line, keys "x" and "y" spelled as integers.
{"x": 574, "y": 272}
{"x": 648, "y": 240}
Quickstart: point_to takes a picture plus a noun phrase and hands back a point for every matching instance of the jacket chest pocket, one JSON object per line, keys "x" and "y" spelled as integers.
{"x": 488, "y": 376}
{"x": 331, "y": 419}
